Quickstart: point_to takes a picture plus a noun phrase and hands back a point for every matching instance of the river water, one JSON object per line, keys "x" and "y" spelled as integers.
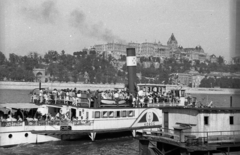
{"x": 107, "y": 144}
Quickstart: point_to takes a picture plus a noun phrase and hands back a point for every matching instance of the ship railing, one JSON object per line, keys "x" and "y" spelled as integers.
{"x": 11, "y": 123}
{"x": 78, "y": 102}
{"x": 165, "y": 133}
{"x": 208, "y": 137}
{"x": 46, "y": 123}
{"x": 60, "y": 123}
{"x": 196, "y": 138}
{"x": 163, "y": 104}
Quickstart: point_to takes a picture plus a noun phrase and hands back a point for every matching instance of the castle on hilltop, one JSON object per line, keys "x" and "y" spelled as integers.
{"x": 154, "y": 49}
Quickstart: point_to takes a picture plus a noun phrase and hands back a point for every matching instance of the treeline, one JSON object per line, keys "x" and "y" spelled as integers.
{"x": 223, "y": 82}
{"x": 61, "y": 67}
{"x": 96, "y": 68}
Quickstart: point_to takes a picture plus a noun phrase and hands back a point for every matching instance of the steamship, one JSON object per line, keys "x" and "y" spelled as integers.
{"x": 104, "y": 118}
{"x": 92, "y": 119}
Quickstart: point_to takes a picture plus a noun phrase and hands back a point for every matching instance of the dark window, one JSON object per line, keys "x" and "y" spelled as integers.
{"x": 231, "y": 120}
{"x": 118, "y": 114}
{"x": 80, "y": 114}
{"x": 206, "y": 120}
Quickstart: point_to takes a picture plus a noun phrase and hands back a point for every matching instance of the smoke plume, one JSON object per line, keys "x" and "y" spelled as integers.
{"x": 97, "y": 30}
{"x": 45, "y": 13}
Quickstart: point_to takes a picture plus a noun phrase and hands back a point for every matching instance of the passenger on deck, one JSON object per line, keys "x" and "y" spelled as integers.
{"x": 79, "y": 93}
{"x": 19, "y": 118}
{"x": 66, "y": 97}
{"x": 41, "y": 95}
{"x": 9, "y": 117}
{"x": 74, "y": 101}
{"x": 116, "y": 95}
{"x": 74, "y": 118}
{"x": 63, "y": 95}
{"x": 150, "y": 99}
{"x": 54, "y": 93}
{"x": 29, "y": 119}
{"x": 59, "y": 115}
{"x": 103, "y": 94}
{"x": 34, "y": 98}
{"x": 45, "y": 96}
{"x": 59, "y": 93}
{"x": 2, "y": 119}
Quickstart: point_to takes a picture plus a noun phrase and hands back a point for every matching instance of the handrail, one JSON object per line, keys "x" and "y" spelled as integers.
{"x": 197, "y": 137}
{"x": 11, "y": 123}
{"x": 46, "y": 123}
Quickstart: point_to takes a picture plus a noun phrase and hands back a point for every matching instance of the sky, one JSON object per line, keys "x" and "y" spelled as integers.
{"x": 43, "y": 25}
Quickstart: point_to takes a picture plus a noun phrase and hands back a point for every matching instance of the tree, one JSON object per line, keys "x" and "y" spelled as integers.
{"x": 51, "y": 56}
{"x": 220, "y": 60}
{"x": 2, "y": 58}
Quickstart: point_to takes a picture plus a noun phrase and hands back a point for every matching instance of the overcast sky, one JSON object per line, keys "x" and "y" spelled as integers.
{"x": 70, "y": 25}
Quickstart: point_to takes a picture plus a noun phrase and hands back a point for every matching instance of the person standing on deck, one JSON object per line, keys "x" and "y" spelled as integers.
{"x": 54, "y": 93}
{"x": 41, "y": 95}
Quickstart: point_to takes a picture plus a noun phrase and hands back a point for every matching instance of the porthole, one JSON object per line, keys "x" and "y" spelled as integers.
{"x": 10, "y": 136}
{"x": 45, "y": 134}
{"x": 26, "y": 134}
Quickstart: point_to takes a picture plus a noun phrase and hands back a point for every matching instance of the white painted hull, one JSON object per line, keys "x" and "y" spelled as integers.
{"x": 44, "y": 132}
{"x": 19, "y": 138}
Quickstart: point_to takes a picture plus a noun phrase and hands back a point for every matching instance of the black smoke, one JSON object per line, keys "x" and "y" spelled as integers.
{"x": 45, "y": 13}
{"x": 95, "y": 30}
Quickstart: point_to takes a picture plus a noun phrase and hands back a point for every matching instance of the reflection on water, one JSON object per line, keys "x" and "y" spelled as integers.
{"x": 115, "y": 146}
{"x": 14, "y": 96}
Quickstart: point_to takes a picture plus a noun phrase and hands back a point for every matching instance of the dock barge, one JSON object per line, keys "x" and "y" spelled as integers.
{"x": 194, "y": 131}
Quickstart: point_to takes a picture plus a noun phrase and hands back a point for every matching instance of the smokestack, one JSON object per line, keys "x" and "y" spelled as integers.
{"x": 131, "y": 65}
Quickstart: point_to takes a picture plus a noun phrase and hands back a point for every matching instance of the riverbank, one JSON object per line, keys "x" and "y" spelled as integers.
{"x": 81, "y": 86}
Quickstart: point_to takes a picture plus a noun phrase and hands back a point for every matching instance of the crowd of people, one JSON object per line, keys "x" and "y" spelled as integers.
{"x": 17, "y": 115}
{"x": 75, "y": 97}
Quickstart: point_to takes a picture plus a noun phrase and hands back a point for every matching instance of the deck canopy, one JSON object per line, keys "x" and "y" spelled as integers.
{"x": 19, "y": 105}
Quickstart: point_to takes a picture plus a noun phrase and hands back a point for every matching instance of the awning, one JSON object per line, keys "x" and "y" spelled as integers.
{"x": 19, "y": 105}
{"x": 182, "y": 127}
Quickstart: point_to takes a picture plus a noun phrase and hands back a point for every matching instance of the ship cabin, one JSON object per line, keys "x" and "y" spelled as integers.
{"x": 15, "y": 114}
{"x": 164, "y": 95}
{"x": 193, "y": 126}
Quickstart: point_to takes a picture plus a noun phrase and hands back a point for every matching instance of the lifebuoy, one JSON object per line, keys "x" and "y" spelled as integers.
{"x": 68, "y": 114}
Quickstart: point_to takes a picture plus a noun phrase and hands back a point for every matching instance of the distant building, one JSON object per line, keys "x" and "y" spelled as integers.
{"x": 172, "y": 42}
{"x": 156, "y": 49}
{"x": 213, "y": 58}
{"x": 188, "y": 78}
{"x": 39, "y": 74}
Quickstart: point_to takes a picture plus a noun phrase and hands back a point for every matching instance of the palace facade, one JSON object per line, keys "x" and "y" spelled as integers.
{"x": 156, "y": 49}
